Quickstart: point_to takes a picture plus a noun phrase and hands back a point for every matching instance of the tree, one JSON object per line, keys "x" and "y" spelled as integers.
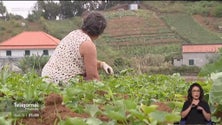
{"x": 51, "y": 10}
{"x": 69, "y": 8}
{"x": 38, "y": 11}
{"x": 79, "y": 7}
{"x": 66, "y": 9}
{"x": 76, "y": 8}
{"x": 2, "y": 9}
{"x": 48, "y": 9}
{"x": 106, "y": 4}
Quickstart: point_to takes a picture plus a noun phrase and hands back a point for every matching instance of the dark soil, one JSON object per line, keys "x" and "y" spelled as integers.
{"x": 2, "y": 94}
{"x": 163, "y": 107}
{"x": 219, "y": 114}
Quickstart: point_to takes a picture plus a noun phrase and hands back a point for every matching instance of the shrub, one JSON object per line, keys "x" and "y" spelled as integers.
{"x": 34, "y": 17}
{"x": 152, "y": 63}
{"x": 120, "y": 64}
{"x": 186, "y": 70}
{"x": 15, "y": 17}
{"x": 2, "y": 28}
{"x": 34, "y": 62}
{"x": 217, "y": 11}
{"x": 202, "y": 7}
{"x": 213, "y": 67}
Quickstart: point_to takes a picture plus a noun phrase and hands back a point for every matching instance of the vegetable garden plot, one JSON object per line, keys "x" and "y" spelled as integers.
{"x": 119, "y": 100}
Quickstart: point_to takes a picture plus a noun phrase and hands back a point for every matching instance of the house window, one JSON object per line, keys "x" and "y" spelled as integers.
{"x": 8, "y": 53}
{"x": 191, "y": 62}
{"x": 45, "y": 52}
{"x": 27, "y": 52}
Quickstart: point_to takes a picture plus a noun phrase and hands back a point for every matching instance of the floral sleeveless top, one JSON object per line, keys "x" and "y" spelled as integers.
{"x": 66, "y": 61}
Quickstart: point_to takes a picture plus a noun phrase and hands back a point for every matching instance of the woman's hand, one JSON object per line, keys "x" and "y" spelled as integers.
{"x": 206, "y": 115}
{"x": 200, "y": 108}
{"x": 108, "y": 69}
{"x": 195, "y": 102}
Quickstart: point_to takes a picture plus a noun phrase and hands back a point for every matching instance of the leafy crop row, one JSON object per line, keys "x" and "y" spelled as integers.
{"x": 126, "y": 99}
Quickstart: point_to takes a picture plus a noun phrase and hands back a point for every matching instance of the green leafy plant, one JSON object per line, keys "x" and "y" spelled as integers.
{"x": 126, "y": 98}
{"x": 215, "y": 92}
{"x": 33, "y": 63}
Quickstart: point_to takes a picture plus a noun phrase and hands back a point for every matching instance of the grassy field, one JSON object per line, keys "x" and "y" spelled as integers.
{"x": 144, "y": 50}
{"x": 60, "y": 28}
{"x": 184, "y": 25}
{"x": 10, "y": 28}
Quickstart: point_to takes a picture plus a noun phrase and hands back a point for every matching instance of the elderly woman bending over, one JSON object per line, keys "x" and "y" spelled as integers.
{"x": 76, "y": 53}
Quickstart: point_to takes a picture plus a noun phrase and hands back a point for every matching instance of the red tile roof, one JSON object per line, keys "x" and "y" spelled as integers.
{"x": 30, "y": 40}
{"x": 201, "y": 48}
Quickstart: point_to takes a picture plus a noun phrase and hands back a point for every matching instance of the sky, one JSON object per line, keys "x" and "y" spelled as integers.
{"x": 18, "y": 7}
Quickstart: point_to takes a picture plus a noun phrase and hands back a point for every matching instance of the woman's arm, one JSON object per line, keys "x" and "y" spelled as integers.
{"x": 99, "y": 64}
{"x": 89, "y": 54}
{"x": 207, "y": 116}
{"x": 185, "y": 112}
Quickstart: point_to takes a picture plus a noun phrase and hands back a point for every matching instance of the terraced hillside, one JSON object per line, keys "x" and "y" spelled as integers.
{"x": 139, "y": 33}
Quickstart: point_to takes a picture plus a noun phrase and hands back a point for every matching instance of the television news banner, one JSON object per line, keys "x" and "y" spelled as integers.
{"x": 20, "y": 109}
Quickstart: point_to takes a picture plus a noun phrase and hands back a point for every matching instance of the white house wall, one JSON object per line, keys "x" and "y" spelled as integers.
{"x": 200, "y": 59}
{"x": 21, "y": 53}
{"x": 40, "y": 52}
{"x": 177, "y": 62}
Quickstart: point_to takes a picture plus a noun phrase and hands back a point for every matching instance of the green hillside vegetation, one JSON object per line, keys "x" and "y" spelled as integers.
{"x": 167, "y": 6}
{"x": 146, "y": 39}
{"x": 60, "y": 28}
{"x": 138, "y": 35}
{"x": 184, "y": 25}
{"x": 10, "y": 28}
